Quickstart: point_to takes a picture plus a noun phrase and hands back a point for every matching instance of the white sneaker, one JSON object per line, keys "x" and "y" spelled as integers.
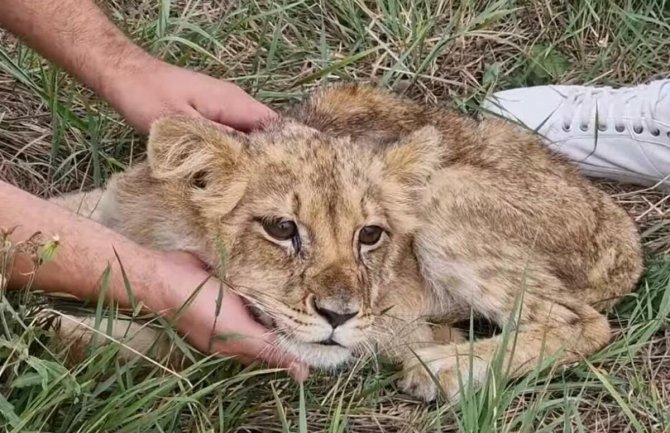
{"x": 620, "y": 134}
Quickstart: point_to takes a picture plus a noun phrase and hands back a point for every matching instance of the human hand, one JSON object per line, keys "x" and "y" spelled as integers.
{"x": 152, "y": 88}
{"x": 233, "y": 331}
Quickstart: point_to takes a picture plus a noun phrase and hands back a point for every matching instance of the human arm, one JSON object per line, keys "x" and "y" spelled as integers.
{"x": 77, "y": 35}
{"x": 163, "y": 282}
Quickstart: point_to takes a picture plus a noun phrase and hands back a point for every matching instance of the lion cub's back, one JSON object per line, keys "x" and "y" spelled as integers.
{"x": 506, "y": 188}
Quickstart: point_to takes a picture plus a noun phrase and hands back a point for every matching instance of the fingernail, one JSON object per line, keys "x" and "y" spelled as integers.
{"x": 299, "y": 372}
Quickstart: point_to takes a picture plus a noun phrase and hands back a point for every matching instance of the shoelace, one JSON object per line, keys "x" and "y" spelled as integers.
{"x": 635, "y": 104}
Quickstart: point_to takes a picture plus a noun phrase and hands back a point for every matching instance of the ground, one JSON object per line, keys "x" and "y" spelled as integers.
{"x": 56, "y": 136}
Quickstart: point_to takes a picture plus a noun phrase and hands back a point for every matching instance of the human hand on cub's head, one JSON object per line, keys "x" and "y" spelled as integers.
{"x": 216, "y": 320}
{"x": 153, "y": 89}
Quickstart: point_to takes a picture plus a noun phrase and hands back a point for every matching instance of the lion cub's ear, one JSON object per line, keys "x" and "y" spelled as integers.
{"x": 186, "y": 149}
{"x": 408, "y": 166}
{"x": 414, "y": 159}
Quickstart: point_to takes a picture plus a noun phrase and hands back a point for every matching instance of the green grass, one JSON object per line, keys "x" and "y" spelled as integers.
{"x": 56, "y": 136}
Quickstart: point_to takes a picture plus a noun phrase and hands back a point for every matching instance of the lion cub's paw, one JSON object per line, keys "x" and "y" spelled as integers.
{"x": 447, "y": 368}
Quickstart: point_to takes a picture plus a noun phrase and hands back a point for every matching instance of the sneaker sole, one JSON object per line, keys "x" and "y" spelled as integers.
{"x": 649, "y": 183}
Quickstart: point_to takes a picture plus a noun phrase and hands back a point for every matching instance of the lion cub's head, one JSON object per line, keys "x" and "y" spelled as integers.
{"x": 315, "y": 230}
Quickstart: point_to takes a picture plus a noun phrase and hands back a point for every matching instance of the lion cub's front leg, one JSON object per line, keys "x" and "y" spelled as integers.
{"x": 461, "y": 366}
{"x": 414, "y": 381}
{"x": 406, "y": 339}
{"x": 546, "y": 329}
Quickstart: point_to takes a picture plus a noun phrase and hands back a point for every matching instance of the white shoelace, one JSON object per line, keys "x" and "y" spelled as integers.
{"x": 637, "y": 106}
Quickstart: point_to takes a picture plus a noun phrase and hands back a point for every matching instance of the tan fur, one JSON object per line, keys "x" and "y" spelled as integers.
{"x": 477, "y": 214}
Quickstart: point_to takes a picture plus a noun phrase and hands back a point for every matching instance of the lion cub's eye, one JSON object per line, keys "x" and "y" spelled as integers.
{"x": 281, "y": 230}
{"x": 370, "y": 235}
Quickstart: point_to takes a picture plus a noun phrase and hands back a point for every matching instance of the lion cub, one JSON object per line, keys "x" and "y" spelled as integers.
{"x": 361, "y": 216}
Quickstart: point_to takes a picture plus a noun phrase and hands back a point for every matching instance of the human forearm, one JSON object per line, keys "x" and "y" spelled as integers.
{"x": 76, "y": 35}
{"x": 163, "y": 282}
{"x": 79, "y": 37}
{"x": 84, "y": 250}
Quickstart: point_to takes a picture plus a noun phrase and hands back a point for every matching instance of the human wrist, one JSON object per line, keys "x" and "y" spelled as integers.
{"x": 112, "y": 83}
{"x": 141, "y": 272}
{"x": 175, "y": 276}
{"x": 185, "y": 291}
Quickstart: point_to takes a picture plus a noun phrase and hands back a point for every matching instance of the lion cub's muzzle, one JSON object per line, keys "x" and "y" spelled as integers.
{"x": 328, "y": 332}
{"x": 336, "y": 310}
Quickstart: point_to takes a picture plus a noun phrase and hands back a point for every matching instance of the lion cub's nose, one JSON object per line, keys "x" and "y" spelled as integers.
{"x": 335, "y": 318}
